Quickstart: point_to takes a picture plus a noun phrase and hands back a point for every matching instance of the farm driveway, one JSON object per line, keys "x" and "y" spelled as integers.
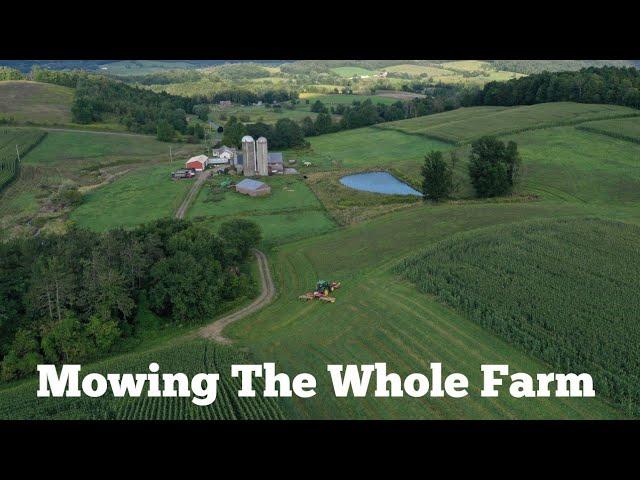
{"x": 192, "y": 193}
{"x": 213, "y": 331}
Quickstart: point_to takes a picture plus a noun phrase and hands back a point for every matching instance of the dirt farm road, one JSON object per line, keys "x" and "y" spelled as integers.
{"x": 213, "y": 331}
{"x": 182, "y": 209}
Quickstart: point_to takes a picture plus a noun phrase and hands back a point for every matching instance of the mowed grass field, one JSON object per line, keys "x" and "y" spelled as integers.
{"x": 35, "y": 102}
{"x": 463, "y": 126}
{"x": 381, "y": 318}
{"x": 569, "y": 164}
{"x": 291, "y": 212}
{"x": 622, "y": 128}
{"x": 366, "y": 148}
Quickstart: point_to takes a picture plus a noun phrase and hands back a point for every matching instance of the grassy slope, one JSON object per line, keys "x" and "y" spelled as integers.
{"x": 35, "y": 102}
{"x": 138, "y": 197}
{"x": 88, "y": 159}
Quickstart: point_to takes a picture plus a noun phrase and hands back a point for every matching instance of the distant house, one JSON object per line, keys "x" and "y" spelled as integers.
{"x": 253, "y": 188}
{"x": 225, "y": 103}
{"x": 198, "y": 163}
{"x": 226, "y": 153}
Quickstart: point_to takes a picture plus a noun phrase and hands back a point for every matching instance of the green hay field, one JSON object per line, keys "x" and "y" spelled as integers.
{"x": 622, "y": 128}
{"x": 504, "y": 121}
{"x": 35, "y": 102}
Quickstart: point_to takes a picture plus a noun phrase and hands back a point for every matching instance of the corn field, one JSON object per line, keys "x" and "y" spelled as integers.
{"x": 25, "y": 139}
{"x": 565, "y": 291}
{"x": 188, "y": 357}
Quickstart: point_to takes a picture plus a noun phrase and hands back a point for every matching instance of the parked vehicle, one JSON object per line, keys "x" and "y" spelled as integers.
{"x": 183, "y": 173}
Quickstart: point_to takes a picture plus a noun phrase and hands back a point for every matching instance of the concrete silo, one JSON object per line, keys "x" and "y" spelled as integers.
{"x": 262, "y": 157}
{"x": 249, "y": 156}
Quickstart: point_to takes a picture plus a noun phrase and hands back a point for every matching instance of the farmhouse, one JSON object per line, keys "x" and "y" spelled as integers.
{"x": 198, "y": 163}
{"x": 253, "y": 188}
{"x": 225, "y": 153}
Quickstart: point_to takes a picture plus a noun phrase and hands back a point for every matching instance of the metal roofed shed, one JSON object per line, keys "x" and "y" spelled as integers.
{"x": 253, "y": 188}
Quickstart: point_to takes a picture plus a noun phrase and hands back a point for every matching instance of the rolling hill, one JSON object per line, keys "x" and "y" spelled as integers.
{"x": 35, "y": 102}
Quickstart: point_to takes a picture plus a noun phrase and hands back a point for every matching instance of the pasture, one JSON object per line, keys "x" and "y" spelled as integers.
{"x": 367, "y": 148}
{"x": 578, "y": 278}
{"x": 35, "y": 102}
{"x": 139, "y": 196}
{"x": 90, "y": 160}
{"x": 291, "y": 212}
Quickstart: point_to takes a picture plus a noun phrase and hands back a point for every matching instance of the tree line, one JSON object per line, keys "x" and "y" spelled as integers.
{"x": 494, "y": 168}
{"x": 286, "y": 133}
{"x": 609, "y": 85}
{"x": 74, "y": 297}
{"x": 365, "y": 113}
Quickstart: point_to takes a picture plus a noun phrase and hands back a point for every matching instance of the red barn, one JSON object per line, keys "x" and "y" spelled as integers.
{"x": 198, "y": 163}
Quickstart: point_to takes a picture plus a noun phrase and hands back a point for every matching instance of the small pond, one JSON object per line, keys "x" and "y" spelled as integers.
{"x": 378, "y": 182}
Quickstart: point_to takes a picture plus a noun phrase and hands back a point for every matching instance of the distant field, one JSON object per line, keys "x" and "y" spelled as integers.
{"x": 142, "y": 67}
{"x": 349, "y": 72}
{"x": 503, "y": 121}
{"x": 140, "y": 196}
{"x": 419, "y": 70}
{"x": 292, "y": 211}
{"x": 35, "y": 102}
{"x": 339, "y": 99}
{"x": 579, "y": 281}
{"x": 252, "y": 114}
{"x": 622, "y": 128}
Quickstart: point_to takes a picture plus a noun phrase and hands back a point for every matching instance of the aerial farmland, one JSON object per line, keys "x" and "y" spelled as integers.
{"x": 199, "y": 269}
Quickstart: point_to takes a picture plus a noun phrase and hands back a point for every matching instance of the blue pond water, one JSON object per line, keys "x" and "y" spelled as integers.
{"x": 378, "y": 182}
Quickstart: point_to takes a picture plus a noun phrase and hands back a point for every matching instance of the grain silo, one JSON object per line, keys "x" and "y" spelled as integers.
{"x": 249, "y": 156}
{"x": 262, "y": 157}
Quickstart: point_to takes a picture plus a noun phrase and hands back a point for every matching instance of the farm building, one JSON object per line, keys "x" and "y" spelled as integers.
{"x": 261, "y": 162}
{"x": 253, "y": 188}
{"x": 198, "y": 163}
